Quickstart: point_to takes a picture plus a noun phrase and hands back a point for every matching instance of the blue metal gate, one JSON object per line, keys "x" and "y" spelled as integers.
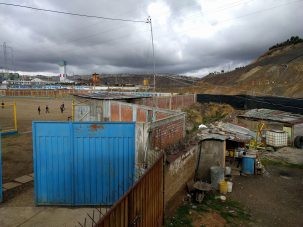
{"x": 1, "y": 195}
{"x": 85, "y": 163}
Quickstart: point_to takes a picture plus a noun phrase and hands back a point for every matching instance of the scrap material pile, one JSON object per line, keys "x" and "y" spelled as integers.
{"x": 224, "y": 153}
{"x": 228, "y": 130}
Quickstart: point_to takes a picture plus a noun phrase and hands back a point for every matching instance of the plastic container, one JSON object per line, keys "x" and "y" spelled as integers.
{"x": 227, "y": 170}
{"x": 231, "y": 153}
{"x": 248, "y": 164}
{"x": 229, "y": 186}
{"x": 216, "y": 175}
{"x": 276, "y": 138}
{"x": 223, "y": 187}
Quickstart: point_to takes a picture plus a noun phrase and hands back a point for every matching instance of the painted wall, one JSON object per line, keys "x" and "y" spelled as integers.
{"x": 180, "y": 171}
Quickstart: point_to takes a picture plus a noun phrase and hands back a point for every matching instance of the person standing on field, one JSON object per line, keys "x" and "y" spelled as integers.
{"x": 62, "y": 108}
{"x": 39, "y": 110}
{"x": 46, "y": 109}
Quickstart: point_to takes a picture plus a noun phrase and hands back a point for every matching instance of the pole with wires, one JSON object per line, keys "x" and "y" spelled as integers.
{"x": 149, "y": 21}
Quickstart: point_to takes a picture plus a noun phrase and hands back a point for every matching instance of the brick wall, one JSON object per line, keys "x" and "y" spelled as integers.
{"x": 40, "y": 93}
{"x": 115, "y": 112}
{"x": 126, "y": 113}
{"x": 120, "y": 111}
{"x": 168, "y": 133}
{"x": 160, "y": 115}
{"x": 170, "y": 102}
{"x": 141, "y": 115}
{"x": 179, "y": 172}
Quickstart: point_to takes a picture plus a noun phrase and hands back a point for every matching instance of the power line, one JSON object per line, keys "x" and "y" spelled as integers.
{"x": 72, "y": 14}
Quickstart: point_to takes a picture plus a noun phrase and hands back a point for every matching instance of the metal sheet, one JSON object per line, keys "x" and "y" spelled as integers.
{"x": 1, "y": 195}
{"x": 83, "y": 163}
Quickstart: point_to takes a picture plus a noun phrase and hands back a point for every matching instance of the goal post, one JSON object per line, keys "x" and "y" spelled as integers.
{"x": 8, "y": 118}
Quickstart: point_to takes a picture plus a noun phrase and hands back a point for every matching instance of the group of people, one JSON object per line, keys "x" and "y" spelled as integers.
{"x": 62, "y": 108}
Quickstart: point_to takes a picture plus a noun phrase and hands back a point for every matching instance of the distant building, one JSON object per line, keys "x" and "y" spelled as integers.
{"x": 9, "y": 76}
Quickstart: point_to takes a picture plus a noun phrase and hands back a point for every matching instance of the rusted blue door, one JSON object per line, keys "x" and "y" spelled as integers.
{"x": 1, "y": 196}
{"x": 82, "y": 163}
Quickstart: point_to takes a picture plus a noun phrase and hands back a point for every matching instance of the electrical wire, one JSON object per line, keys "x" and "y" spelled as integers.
{"x": 72, "y": 14}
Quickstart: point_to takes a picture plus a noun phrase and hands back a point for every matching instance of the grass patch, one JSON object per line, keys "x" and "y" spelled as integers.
{"x": 181, "y": 217}
{"x": 232, "y": 211}
{"x": 271, "y": 162}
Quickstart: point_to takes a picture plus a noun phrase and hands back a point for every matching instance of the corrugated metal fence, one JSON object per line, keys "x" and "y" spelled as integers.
{"x": 1, "y": 196}
{"x": 143, "y": 204}
{"x": 86, "y": 163}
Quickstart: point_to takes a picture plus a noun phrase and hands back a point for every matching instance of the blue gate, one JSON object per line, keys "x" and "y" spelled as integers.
{"x": 84, "y": 163}
{"x": 1, "y": 195}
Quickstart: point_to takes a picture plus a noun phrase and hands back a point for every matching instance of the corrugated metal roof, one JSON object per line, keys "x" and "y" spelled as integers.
{"x": 227, "y": 131}
{"x": 273, "y": 115}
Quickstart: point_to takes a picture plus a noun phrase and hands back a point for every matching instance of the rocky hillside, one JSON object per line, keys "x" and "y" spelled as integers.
{"x": 278, "y": 72}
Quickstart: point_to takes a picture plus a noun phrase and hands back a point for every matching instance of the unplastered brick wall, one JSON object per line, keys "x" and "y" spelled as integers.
{"x": 126, "y": 113}
{"x": 41, "y": 93}
{"x": 120, "y": 111}
{"x": 170, "y": 102}
{"x": 168, "y": 133}
{"x": 141, "y": 115}
{"x": 179, "y": 171}
{"x": 115, "y": 112}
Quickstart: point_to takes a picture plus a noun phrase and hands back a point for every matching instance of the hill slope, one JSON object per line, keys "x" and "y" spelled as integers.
{"x": 278, "y": 72}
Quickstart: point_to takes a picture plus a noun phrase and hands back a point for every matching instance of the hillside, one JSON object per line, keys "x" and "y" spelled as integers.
{"x": 163, "y": 81}
{"x": 277, "y": 72}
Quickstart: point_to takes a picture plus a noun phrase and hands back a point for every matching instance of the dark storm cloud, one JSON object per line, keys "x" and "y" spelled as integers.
{"x": 232, "y": 35}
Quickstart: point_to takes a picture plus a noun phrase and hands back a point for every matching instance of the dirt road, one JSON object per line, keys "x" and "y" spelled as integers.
{"x": 274, "y": 199}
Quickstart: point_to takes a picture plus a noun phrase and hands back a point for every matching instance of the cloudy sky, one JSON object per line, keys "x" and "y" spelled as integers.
{"x": 191, "y": 37}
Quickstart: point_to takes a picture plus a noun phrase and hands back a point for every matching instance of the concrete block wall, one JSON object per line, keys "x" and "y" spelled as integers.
{"x": 179, "y": 172}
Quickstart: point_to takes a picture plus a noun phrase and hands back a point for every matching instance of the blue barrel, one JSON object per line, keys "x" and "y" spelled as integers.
{"x": 248, "y": 164}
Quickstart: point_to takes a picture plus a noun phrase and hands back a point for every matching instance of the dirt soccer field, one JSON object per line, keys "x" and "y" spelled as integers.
{"x": 17, "y": 149}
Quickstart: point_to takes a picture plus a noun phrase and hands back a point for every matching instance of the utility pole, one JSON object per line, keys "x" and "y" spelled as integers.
{"x": 5, "y": 69}
{"x": 149, "y": 21}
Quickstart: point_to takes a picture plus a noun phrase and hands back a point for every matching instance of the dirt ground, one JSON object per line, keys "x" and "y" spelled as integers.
{"x": 272, "y": 199}
{"x": 17, "y": 149}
